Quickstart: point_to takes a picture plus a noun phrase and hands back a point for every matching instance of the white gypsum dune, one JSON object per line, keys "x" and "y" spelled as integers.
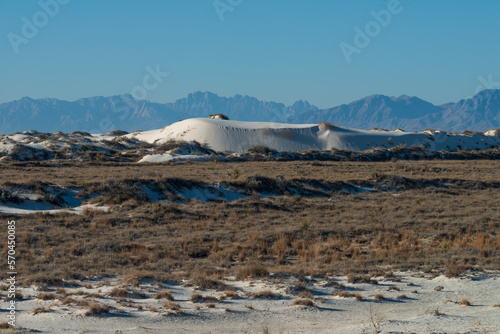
{"x": 236, "y": 136}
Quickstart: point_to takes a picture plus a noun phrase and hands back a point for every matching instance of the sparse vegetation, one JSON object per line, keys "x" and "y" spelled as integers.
{"x": 97, "y": 309}
{"x": 303, "y": 302}
{"x": 249, "y": 238}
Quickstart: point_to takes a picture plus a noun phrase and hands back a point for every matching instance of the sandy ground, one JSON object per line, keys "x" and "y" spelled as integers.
{"x": 412, "y": 303}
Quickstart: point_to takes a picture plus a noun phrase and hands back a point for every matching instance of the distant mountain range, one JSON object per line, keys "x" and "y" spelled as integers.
{"x": 104, "y": 114}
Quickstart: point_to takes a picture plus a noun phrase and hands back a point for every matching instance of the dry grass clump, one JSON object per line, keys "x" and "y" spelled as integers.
{"x": 46, "y": 296}
{"x": 252, "y": 271}
{"x": 197, "y": 298}
{"x": 261, "y": 149}
{"x": 118, "y": 292}
{"x": 344, "y": 294}
{"x": 306, "y": 294}
{"x": 439, "y": 288}
{"x": 164, "y": 295}
{"x": 353, "y": 278}
{"x": 5, "y": 325}
{"x": 40, "y": 309}
{"x": 393, "y": 288}
{"x": 464, "y": 302}
{"x": 303, "y": 302}
{"x": 171, "y": 306}
{"x": 358, "y": 297}
{"x": 379, "y": 297}
{"x": 265, "y": 294}
{"x": 202, "y": 282}
{"x": 97, "y": 309}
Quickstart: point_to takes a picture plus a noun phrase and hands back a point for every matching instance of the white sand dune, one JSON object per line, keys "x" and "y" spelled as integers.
{"x": 235, "y": 136}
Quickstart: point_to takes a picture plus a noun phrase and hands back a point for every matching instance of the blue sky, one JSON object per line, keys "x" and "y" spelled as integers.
{"x": 281, "y": 50}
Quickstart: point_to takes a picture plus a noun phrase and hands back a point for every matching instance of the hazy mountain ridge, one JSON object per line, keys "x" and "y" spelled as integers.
{"x": 103, "y": 114}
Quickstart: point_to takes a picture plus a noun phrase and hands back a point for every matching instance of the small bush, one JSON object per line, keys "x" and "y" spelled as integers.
{"x": 343, "y": 294}
{"x": 303, "y": 302}
{"x": 164, "y": 295}
{"x": 261, "y": 149}
{"x": 265, "y": 294}
{"x": 46, "y": 296}
{"x": 439, "y": 288}
{"x": 40, "y": 310}
{"x": 379, "y": 297}
{"x": 464, "y": 302}
{"x": 117, "y": 292}
{"x": 252, "y": 271}
{"x": 97, "y": 309}
{"x": 306, "y": 294}
{"x": 171, "y": 306}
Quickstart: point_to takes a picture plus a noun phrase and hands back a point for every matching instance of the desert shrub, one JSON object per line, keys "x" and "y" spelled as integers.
{"x": 6, "y": 196}
{"x": 170, "y": 145}
{"x": 203, "y": 282}
{"x": 265, "y": 294}
{"x": 197, "y": 298}
{"x": 379, "y": 297}
{"x": 171, "y": 306}
{"x": 117, "y": 192}
{"x": 117, "y": 133}
{"x": 303, "y": 302}
{"x": 464, "y": 302}
{"x": 326, "y": 126}
{"x": 5, "y": 325}
{"x": 353, "y": 278}
{"x": 40, "y": 309}
{"x": 118, "y": 292}
{"x": 97, "y": 309}
{"x": 252, "y": 271}
{"x": 219, "y": 115}
{"x": 306, "y": 294}
{"x": 261, "y": 149}
{"x": 344, "y": 294}
{"x": 81, "y": 133}
{"x": 46, "y": 296}
{"x": 164, "y": 295}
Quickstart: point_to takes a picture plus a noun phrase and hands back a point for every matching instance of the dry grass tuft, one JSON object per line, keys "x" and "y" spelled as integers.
{"x": 265, "y": 294}
{"x": 40, "y": 309}
{"x": 303, "y": 302}
{"x": 97, "y": 309}
{"x": 464, "y": 302}
{"x": 46, "y": 296}
{"x": 164, "y": 295}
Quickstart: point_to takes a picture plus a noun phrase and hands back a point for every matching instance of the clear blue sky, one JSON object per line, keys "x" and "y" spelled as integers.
{"x": 281, "y": 50}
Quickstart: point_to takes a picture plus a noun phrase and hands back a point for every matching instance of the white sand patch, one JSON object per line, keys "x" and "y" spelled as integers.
{"x": 411, "y": 304}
